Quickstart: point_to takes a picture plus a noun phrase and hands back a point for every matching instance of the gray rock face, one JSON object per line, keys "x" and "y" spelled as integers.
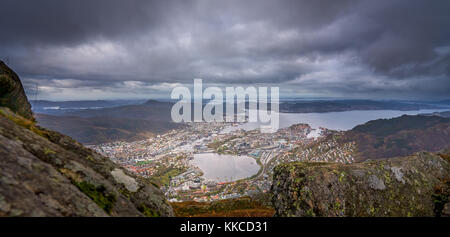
{"x": 398, "y": 174}
{"x": 416, "y": 185}
{"x": 44, "y": 173}
{"x": 129, "y": 182}
{"x": 376, "y": 183}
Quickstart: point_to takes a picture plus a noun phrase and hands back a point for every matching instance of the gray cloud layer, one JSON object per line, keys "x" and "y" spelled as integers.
{"x": 109, "y": 49}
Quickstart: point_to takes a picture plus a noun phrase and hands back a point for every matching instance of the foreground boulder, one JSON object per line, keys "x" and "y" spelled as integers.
{"x": 417, "y": 185}
{"x": 45, "y": 173}
{"x": 12, "y": 94}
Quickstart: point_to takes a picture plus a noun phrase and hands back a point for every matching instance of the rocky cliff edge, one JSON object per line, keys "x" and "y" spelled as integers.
{"x": 45, "y": 173}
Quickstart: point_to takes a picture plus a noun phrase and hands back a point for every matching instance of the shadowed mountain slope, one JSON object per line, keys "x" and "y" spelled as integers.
{"x": 401, "y": 136}
{"x": 12, "y": 94}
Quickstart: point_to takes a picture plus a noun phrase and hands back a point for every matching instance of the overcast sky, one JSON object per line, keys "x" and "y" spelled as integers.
{"x": 106, "y": 49}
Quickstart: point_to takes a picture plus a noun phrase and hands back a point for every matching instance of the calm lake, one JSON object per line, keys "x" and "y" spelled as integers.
{"x": 225, "y": 168}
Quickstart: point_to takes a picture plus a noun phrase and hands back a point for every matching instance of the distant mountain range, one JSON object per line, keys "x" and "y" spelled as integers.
{"x": 96, "y": 130}
{"x": 129, "y": 122}
{"x": 322, "y": 106}
{"x": 62, "y": 107}
{"x": 286, "y": 106}
{"x": 100, "y": 121}
{"x": 445, "y": 114}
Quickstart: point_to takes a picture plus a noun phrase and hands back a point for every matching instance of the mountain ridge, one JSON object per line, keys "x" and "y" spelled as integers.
{"x": 400, "y": 136}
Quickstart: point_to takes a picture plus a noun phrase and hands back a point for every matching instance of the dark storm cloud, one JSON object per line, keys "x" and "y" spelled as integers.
{"x": 49, "y": 22}
{"x": 351, "y": 48}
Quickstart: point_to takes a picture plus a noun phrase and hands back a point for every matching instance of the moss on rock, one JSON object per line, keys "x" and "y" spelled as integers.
{"x": 393, "y": 187}
{"x": 98, "y": 194}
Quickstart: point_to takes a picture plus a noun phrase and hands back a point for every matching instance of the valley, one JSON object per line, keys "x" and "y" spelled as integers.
{"x": 225, "y": 169}
{"x": 171, "y": 160}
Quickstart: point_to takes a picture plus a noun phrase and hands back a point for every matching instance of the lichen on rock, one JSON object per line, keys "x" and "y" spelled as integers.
{"x": 129, "y": 182}
{"x": 404, "y": 186}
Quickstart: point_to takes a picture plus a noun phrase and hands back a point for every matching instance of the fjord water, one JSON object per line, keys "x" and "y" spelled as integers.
{"x": 225, "y": 168}
{"x": 333, "y": 120}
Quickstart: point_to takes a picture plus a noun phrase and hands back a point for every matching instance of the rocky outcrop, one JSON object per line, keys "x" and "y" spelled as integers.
{"x": 12, "y": 94}
{"x": 417, "y": 185}
{"x": 45, "y": 173}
